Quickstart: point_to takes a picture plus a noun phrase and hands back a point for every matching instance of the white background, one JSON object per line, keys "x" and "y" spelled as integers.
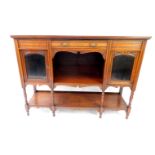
{"x": 75, "y": 132}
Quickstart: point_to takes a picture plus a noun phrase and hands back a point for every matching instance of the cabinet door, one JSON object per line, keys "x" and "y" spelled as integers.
{"x": 123, "y": 61}
{"x": 35, "y": 66}
{"x": 123, "y": 66}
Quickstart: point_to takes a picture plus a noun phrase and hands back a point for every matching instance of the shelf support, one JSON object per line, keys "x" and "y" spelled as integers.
{"x": 101, "y": 106}
{"x": 105, "y": 73}
{"x": 52, "y": 106}
{"x": 27, "y": 107}
{"x": 128, "y": 110}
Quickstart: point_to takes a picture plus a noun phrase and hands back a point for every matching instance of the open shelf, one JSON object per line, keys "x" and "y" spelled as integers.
{"x": 112, "y": 101}
{"x": 76, "y": 68}
{"x": 71, "y": 75}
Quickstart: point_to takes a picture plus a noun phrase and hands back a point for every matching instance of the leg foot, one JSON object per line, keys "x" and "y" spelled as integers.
{"x": 101, "y": 106}
{"x": 128, "y": 112}
{"x": 53, "y": 113}
{"x": 27, "y": 108}
{"x": 100, "y": 112}
{"x": 100, "y": 115}
{"x": 53, "y": 109}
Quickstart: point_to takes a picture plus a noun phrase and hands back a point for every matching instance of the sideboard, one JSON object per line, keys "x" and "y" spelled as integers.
{"x": 79, "y": 61}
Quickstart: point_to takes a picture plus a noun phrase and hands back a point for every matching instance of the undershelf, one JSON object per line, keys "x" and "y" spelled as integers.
{"x": 112, "y": 101}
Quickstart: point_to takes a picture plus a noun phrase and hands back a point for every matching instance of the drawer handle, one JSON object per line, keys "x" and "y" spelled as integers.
{"x": 64, "y": 44}
{"x": 93, "y": 44}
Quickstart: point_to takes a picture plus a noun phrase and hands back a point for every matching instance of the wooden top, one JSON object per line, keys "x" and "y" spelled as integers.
{"x": 59, "y": 37}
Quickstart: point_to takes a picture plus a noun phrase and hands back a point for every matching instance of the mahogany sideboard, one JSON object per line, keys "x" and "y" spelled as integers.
{"x": 81, "y": 61}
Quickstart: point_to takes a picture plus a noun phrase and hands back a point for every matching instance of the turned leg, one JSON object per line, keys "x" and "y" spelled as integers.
{"x": 52, "y": 106}
{"x": 27, "y": 107}
{"x": 53, "y": 110}
{"x": 101, "y": 107}
{"x": 128, "y": 110}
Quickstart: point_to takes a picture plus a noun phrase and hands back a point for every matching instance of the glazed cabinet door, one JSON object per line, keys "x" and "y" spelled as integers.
{"x": 124, "y": 59}
{"x": 122, "y": 68}
{"x": 35, "y": 65}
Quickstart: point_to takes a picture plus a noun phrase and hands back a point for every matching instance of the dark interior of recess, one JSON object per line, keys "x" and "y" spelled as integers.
{"x": 78, "y": 67}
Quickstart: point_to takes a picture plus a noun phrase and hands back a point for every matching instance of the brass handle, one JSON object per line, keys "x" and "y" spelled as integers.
{"x": 64, "y": 44}
{"x": 93, "y": 44}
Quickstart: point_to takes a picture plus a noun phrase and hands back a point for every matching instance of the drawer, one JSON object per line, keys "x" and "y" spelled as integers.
{"x": 79, "y": 44}
{"x": 32, "y": 44}
{"x": 128, "y": 45}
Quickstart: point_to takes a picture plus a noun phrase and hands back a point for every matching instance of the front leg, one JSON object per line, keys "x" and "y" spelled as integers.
{"x": 101, "y": 107}
{"x": 128, "y": 110}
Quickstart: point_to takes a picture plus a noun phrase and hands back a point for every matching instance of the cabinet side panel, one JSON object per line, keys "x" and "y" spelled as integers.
{"x": 19, "y": 62}
{"x": 139, "y": 64}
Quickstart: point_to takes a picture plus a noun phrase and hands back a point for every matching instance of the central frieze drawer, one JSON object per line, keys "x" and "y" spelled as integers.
{"x": 83, "y": 43}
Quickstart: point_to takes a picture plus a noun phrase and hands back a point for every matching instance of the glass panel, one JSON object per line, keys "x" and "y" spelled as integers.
{"x": 35, "y": 66}
{"x": 122, "y": 67}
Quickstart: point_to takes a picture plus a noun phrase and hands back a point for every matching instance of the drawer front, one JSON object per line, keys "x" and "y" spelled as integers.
{"x": 79, "y": 44}
{"x": 32, "y": 44}
{"x": 126, "y": 45}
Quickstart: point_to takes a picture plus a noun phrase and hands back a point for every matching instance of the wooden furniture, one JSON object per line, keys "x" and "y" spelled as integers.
{"x": 81, "y": 61}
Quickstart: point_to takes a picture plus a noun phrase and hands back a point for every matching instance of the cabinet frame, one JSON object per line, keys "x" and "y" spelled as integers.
{"x": 129, "y": 83}
{"x": 23, "y": 53}
{"x": 108, "y": 46}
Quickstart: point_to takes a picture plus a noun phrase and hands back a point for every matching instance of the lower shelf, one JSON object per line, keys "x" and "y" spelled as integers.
{"x": 112, "y": 101}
